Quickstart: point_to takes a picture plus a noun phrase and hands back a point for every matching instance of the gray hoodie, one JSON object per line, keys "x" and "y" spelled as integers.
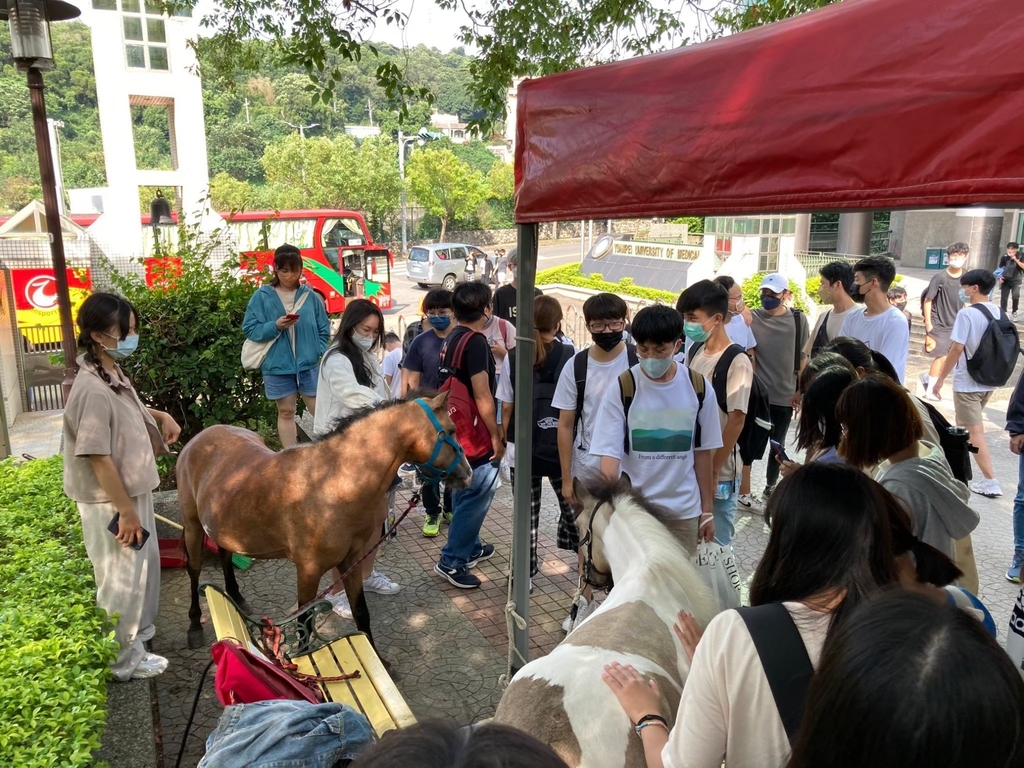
{"x": 935, "y": 500}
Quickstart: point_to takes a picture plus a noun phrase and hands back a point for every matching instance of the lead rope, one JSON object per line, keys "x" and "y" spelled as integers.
{"x": 512, "y": 620}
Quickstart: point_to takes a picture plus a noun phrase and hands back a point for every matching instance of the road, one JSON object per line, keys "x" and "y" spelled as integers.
{"x": 407, "y": 294}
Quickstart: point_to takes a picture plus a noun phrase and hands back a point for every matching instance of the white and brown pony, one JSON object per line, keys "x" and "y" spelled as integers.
{"x": 560, "y": 698}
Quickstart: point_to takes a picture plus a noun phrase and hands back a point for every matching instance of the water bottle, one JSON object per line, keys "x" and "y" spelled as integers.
{"x": 724, "y": 489}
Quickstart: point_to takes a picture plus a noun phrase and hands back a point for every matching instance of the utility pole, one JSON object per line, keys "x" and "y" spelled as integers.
{"x": 369, "y": 108}
{"x": 302, "y": 137}
{"x": 246, "y": 103}
{"x": 401, "y": 172}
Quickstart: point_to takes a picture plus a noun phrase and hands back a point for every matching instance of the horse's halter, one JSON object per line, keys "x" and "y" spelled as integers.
{"x": 589, "y": 569}
{"x": 427, "y": 469}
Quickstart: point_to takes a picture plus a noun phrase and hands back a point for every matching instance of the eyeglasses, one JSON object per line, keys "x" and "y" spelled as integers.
{"x": 605, "y": 327}
{"x": 438, "y": 312}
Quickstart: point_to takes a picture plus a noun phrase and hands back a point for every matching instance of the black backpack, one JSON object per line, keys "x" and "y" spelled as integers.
{"x": 545, "y": 417}
{"x": 758, "y": 425}
{"x": 993, "y": 361}
{"x": 821, "y": 338}
{"x": 579, "y": 370}
{"x": 412, "y": 330}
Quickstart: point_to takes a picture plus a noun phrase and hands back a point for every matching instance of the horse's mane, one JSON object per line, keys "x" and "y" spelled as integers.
{"x": 606, "y": 490}
{"x": 343, "y": 424}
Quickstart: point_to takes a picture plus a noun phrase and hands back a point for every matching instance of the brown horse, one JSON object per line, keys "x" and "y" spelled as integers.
{"x": 315, "y": 504}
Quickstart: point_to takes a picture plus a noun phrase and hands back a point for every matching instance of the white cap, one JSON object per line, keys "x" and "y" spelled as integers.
{"x": 775, "y": 283}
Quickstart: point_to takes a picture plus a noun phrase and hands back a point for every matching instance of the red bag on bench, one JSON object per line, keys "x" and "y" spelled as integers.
{"x": 245, "y": 678}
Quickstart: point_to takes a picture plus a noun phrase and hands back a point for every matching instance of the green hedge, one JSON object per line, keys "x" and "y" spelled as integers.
{"x": 752, "y": 292}
{"x": 570, "y": 274}
{"x": 55, "y": 644}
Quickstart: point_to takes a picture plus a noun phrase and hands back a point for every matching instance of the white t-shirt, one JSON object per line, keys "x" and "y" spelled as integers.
{"x": 887, "y": 333}
{"x": 393, "y": 367}
{"x": 504, "y": 393}
{"x": 662, "y": 422}
{"x": 727, "y": 710}
{"x": 832, "y": 329}
{"x": 600, "y": 376}
{"x": 968, "y": 328}
{"x": 738, "y": 382}
{"x": 736, "y": 329}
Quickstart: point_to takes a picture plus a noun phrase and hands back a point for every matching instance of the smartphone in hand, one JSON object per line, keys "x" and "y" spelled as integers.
{"x": 779, "y": 450}
{"x": 114, "y": 526}
{"x": 291, "y": 317}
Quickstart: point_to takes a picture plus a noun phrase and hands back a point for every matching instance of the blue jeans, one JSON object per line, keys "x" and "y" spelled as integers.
{"x": 292, "y": 733}
{"x": 724, "y": 511}
{"x": 1018, "y": 515}
{"x": 469, "y": 506}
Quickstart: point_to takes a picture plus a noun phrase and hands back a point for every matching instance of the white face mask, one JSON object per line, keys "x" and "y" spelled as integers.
{"x": 957, "y": 263}
{"x": 364, "y": 342}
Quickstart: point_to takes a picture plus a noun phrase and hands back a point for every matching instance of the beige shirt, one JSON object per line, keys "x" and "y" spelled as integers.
{"x": 727, "y": 710}
{"x": 738, "y": 383}
{"x": 101, "y": 419}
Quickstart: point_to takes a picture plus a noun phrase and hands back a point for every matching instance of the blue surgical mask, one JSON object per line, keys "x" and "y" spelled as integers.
{"x": 124, "y": 347}
{"x": 964, "y": 298}
{"x": 656, "y": 367}
{"x": 770, "y": 302}
{"x": 439, "y": 323}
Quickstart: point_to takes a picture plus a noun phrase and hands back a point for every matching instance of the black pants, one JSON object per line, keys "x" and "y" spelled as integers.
{"x": 1005, "y": 290}
{"x": 432, "y": 501}
{"x": 782, "y": 415}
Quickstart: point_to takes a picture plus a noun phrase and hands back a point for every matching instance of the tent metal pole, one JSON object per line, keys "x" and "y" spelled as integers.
{"x": 523, "y": 419}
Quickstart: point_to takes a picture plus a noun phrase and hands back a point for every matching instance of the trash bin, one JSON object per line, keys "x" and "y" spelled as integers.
{"x": 935, "y": 258}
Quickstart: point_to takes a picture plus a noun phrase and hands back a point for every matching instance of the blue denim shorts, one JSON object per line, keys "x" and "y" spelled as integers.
{"x": 278, "y": 386}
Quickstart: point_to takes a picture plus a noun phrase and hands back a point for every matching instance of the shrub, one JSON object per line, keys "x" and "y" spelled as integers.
{"x": 752, "y": 292}
{"x": 812, "y": 286}
{"x": 191, "y": 337}
{"x": 570, "y": 274}
{"x": 55, "y": 644}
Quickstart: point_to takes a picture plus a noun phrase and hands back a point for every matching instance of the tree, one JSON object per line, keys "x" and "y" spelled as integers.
{"x": 229, "y": 194}
{"x": 446, "y": 186}
{"x": 501, "y": 181}
{"x": 375, "y": 182}
{"x": 760, "y": 12}
{"x": 310, "y": 173}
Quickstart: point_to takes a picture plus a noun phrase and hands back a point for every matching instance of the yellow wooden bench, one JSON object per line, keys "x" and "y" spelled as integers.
{"x": 373, "y": 693}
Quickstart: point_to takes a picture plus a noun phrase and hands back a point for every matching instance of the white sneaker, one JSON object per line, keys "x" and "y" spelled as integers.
{"x": 150, "y": 666}
{"x": 380, "y": 584}
{"x": 341, "y": 606}
{"x": 987, "y": 488}
{"x": 586, "y": 609}
{"x": 750, "y": 503}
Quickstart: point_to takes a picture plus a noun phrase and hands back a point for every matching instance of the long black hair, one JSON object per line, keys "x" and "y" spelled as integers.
{"x": 859, "y": 356}
{"x": 906, "y": 681}
{"x": 818, "y": 427}
{"x": 99, "y": 313}
{"x": 355, "y": 312}
{"x": 830, "y": 533}
{"x": 286, "y": 256}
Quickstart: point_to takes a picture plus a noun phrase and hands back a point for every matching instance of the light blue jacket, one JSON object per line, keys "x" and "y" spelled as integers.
{"x": 312, "y": 332}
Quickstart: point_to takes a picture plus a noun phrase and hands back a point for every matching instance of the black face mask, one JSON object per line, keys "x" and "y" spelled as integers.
{"x": 857, "y": 296}
{"x": 607, "y": 341}
{"x": 901, "y": 305}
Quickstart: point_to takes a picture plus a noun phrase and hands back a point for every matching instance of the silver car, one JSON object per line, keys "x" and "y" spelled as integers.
{"x": 443, "y": 264}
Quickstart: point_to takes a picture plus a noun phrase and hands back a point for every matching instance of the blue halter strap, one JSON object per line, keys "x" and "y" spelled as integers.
{"x": 429, "y": 472}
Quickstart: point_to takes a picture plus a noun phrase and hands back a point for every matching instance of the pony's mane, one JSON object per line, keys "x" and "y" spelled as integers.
{"x": 605, "y": 490}
{"x": 343, "y": 424}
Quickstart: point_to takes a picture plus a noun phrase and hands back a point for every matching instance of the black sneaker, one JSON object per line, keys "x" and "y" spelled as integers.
{"x": 458, "y": 577}
{"x": 767, "y": 493}
{"x": 486, "y": 552}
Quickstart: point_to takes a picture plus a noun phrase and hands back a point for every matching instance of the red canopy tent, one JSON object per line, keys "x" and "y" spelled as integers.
{"x": 865, "y": 104}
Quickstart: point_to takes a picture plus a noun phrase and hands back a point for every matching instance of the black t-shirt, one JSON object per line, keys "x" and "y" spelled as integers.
{"x": 505, "y": 302}
{"x": 476, "y": 358}
{"x": 944, "y": 291}
{"x": 1011, "y": 271}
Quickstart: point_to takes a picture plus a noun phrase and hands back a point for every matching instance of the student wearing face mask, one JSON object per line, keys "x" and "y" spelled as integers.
{"x": 737, "y": 324}
{"x": 110, "y": 446}
{"x": 704, "y": 307}
{"x": 897, "y": 296}
{"x": 940, "y": 304}
{"x": 836, "y": 287}
{"x": 662, "y": 428}
{"x": 878, "y": 324}
{"x": 781, "y": 335}
{"x": 350, "y": 378}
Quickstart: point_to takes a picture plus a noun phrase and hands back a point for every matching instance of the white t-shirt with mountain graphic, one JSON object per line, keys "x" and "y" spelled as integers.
{"x": 662, "y": 422}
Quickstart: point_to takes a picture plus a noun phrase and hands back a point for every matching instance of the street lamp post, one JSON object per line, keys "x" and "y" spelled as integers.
{"x": 403, "y": 141}
{"x": 32, "y": 51}
{"x": 302, "y": 138}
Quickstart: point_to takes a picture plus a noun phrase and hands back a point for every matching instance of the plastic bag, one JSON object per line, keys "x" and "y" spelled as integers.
{"x": 717, "y": 566}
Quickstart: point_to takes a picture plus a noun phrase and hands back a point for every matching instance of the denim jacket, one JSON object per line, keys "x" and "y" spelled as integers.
{"x": 286, "y": 734}
{"x": 312, "y": 332}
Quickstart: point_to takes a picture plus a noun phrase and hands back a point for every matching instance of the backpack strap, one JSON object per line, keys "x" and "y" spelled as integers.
{"x": 460, "y": 349}
{"x": 797, "y": 355}
{"x": 720, "y": 376}
{"x": 631, "y": 357}
{"x": 784, "y": 659}
{"x": 627, "y": 391}
{"x": 821, "y": 338}
{"x": 697, "y": 347}
{"x": 697, "y": 382}
{"x": 579, "y": 371}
